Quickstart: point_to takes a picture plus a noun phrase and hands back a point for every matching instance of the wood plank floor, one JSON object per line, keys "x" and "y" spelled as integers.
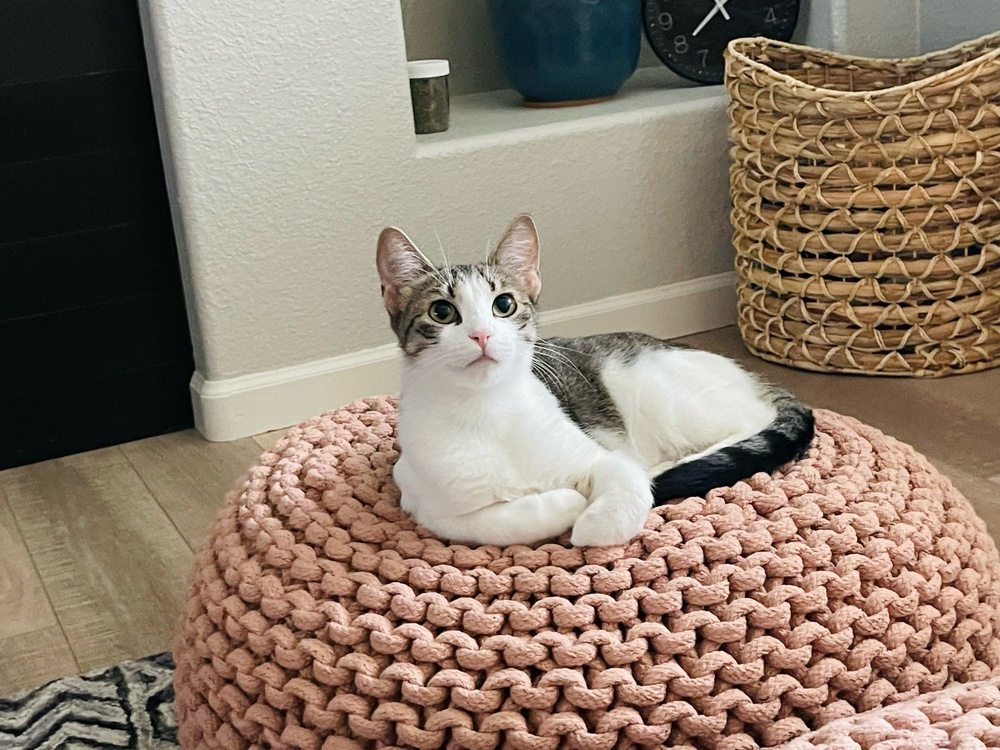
{"x": 95, "y": 548}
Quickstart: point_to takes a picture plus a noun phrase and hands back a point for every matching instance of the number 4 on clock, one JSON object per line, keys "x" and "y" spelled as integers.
{"x": 770, "y": 18}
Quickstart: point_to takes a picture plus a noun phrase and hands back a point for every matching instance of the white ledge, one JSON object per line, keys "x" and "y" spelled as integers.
{"x": 497, "y": 118}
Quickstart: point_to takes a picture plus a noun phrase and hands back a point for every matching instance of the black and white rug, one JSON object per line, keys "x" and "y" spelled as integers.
{"x": 129, "y": 705}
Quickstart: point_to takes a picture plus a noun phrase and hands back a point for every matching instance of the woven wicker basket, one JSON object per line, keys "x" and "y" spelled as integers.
{"x": 866, "y": 207}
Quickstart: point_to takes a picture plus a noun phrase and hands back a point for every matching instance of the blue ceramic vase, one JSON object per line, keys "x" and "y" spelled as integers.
{"x": 562, "y": 52}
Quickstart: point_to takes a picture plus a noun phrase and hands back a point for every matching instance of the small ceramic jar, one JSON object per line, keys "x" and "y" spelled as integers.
{"x": 429, "y": 95}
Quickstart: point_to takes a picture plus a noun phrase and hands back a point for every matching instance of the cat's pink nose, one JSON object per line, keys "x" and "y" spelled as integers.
{"x": 480, "y": 337}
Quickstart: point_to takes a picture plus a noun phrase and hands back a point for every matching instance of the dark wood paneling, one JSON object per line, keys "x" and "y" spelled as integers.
{"x": 73, "y": 115}
{"x": 62, "y": 349}
{"x": 82, "y": 269}
{"x": 95, "y": 414}
{"x": 94, "y": 344}
{"x": 41, "y": 39}
{"x": 81, "y": 191}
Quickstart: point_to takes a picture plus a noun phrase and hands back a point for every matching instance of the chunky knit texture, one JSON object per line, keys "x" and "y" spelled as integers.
{"x": 320, "y": 616}
{"x": 960, "y": 717}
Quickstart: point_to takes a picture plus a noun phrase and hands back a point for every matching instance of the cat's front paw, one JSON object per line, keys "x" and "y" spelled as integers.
{"x": 562, "y": 508}
{"x": 611, "y": 520}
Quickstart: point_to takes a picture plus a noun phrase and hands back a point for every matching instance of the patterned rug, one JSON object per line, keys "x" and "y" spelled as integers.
{"x": 129, "y": 705}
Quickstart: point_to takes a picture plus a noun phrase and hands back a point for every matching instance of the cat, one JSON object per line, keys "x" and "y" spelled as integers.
{"x": 506, "y": 438}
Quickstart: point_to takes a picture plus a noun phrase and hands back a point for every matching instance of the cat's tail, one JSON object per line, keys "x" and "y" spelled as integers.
{"x": 786, "y": 439}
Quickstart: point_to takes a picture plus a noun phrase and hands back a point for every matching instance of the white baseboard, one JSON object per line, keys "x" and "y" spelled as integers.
{"x": 250, "y": 404}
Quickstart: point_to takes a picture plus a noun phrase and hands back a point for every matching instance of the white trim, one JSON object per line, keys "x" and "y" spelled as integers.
{"x": 670, "y": 311}
{"x": 250, "y": 404}
{"x": 232, "y": 408}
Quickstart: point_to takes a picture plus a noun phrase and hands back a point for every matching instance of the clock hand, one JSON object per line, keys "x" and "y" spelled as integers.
{"x": 719, "y": 5}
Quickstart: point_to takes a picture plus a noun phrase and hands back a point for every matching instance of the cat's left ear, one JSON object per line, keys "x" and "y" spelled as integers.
{"x": 400, "y": 265}
{"x": 517, "y": 254}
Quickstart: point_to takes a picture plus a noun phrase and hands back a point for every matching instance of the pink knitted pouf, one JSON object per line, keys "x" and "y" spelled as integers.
{"x": 320, "y": 616}
{"x": 960, "y": 717}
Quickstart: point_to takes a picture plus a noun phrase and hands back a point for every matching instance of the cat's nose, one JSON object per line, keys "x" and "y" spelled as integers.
{"x": 480, "y": 337}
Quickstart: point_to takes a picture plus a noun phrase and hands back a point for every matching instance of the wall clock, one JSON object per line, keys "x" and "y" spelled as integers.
{"x": 689, "y": 36}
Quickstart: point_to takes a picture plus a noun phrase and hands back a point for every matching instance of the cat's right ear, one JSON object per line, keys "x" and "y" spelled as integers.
{"x": 400, "y": 265}
{"x": 517, "y": 253}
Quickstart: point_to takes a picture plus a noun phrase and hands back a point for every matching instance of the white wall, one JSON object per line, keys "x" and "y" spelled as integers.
{"x": 289, "y": 134}
{"x": 876, "y": 28}
{"x": 870, "y": 28}
{"x": 288, "y": 138}
{"x": 288, "y": 131}
{"x": 458, "y": 31}
{"x": 945, "y": 23}
{"x": 899, "y": 28}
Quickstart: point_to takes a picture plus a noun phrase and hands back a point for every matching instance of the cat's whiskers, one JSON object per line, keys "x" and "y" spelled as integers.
{"x": 547, "y": 379}
{"x": 549, "y": 373}
{"x": 434, "y": 270}
{"x": 547, "y": 370}
{"x": 551, "y": 350}
{"x": 556, "y": 350}
{"x": 433, "y": 360}
{"x": 444, "y": 255}
{"x": 549, "y": 344}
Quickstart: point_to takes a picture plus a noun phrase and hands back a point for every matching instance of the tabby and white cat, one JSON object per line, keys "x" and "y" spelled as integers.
{"x": 506, "y": 438}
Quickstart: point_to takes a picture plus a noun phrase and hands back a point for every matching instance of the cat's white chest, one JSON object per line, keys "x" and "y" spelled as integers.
{"x": 475, "y": 454}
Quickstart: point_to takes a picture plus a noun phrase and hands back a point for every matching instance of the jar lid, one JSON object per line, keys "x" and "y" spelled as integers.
{"x": 428, "y": 68}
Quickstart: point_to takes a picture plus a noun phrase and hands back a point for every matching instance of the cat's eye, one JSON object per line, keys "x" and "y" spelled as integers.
{"x": 504, "y": 306}
{"x": 443, "y": 312}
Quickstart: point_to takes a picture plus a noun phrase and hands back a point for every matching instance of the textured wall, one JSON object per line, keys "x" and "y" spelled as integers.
{"x": 459, "y": 31}
{"x": 288, "y": 125}
{"x": 289, "y": 143}
{"x": 944, "y": 23}
{"x": 290, "y": 135}
{"x": 884, "y": 28}
{"x": 899, "y": 28}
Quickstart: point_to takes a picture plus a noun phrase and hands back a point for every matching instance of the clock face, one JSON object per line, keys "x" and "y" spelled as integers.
{"x": 689, "y": 36}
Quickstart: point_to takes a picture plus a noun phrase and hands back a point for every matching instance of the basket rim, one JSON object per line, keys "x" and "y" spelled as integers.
{"x": 734, "y": 50}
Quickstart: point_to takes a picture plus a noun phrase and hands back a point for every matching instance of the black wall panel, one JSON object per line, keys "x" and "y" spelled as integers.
{"x": 40, "y": 114}
{"x": 108, "y": 408}
{"x": 41, "y": 39}
{"x": 80, "y": 191}
{"x": 79, "y": 269}
{"x": 94, "y": 343}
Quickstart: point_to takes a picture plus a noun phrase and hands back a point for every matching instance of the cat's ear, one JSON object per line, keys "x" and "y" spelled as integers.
{"x": 517, "y": 254}
{"x": 400, "y": 265}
